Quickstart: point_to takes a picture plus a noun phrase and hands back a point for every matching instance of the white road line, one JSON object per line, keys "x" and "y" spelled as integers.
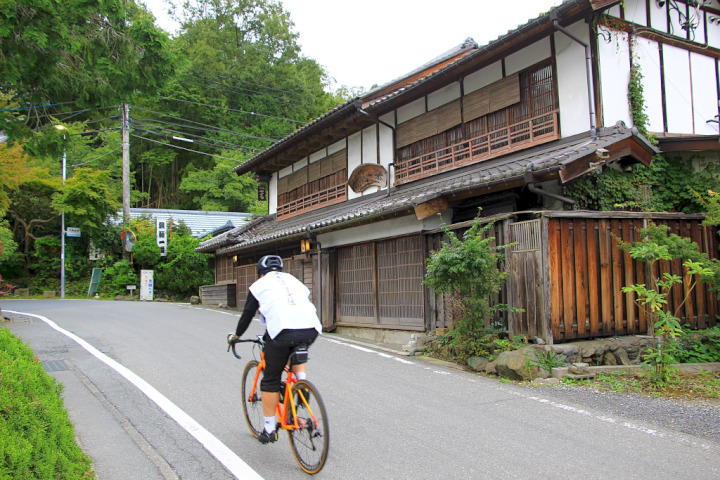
{"x": 212, "y": 444}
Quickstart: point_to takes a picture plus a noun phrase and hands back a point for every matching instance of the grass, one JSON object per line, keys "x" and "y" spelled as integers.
{"x": 37, "y": 439}
{"x": 704, "y": 385}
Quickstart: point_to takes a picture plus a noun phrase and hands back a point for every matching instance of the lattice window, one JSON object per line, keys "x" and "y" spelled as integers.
{"x": 224, "y": 269}
{"x": 532, "y": 120}
{"x": 381, "y": 283}
{"x": 400, "y": 276}
{"x": 246, "y": 275}
{"x": 355, "y": 278}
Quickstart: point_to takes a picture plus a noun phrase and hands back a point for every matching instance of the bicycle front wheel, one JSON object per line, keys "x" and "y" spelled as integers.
{"x": 310, "y": 442}
{"x": 251, "y": 400}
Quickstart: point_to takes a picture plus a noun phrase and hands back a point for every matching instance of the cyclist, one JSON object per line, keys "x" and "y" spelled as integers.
{"x": 290, "y": 319}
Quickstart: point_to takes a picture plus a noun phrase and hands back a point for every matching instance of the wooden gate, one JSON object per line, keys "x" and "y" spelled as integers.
{"x": 525, "y": 279}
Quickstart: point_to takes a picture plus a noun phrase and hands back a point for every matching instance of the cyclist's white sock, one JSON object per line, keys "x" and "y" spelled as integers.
{"x": 270, "y": 424}
{"x": 301, "y": 375}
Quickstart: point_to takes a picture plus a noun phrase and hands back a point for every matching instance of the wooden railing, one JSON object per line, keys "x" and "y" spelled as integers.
{"x": 518, "y": 136}
{"x": 324, "y": 197}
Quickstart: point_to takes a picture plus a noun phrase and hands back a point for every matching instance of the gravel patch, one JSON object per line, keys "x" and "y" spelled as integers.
{"x": 700, "y": 418}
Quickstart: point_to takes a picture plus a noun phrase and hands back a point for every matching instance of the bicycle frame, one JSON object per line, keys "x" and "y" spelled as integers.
{"x": 288, "y": 401}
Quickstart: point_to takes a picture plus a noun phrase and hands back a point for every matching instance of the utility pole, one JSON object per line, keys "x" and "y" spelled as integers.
{"x": 126, "y": 161}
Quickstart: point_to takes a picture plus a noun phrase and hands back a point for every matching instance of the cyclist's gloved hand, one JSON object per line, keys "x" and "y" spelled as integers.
{"x": 232, "y": 338}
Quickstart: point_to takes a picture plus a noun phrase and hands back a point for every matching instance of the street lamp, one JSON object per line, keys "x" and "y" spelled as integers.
{"x": 62, "y": 222}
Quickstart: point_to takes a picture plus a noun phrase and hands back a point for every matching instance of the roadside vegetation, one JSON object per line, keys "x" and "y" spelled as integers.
{"x": 37, "y": 439}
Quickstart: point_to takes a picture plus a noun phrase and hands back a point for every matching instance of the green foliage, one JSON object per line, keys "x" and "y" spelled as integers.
{"x": 699, "y": 347}
{"x": 94, "y": 53}
{"x": 117, "y": 277}
{"x": 670, "y": 184}
{"x": 457, "y": 346}
{"x": 469, "y": 268}
{"x": 665, "y": 326}
{"x": 184, "y": 270}
{"x": 547, "y": 360}
{"x": 37, "y": 440}
{"x": 636, "y": 98}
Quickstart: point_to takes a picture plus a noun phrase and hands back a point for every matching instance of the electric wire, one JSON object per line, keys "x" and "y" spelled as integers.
{"x": 97, "y": 158}
{"x": 305, "y": 95}
{"x": 159, "y": 127}
{"x": 180, "y": 139}
{"x": 233, "y": 89}
{"x": 182, "y": 148}
{"x": 218, "y": 129}
{"x": 230, "y": 109}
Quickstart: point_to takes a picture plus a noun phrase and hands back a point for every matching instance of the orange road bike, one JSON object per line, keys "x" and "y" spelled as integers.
{"x": 301, "y": 410}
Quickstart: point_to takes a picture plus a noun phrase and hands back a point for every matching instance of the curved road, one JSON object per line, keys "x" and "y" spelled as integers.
{"x": 154, "y": 395}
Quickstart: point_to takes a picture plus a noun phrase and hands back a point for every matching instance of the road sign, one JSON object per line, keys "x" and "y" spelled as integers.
{"x": 72, "y": 232}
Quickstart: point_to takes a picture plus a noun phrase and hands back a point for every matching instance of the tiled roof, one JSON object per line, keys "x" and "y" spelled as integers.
{"x": 547, "y": 159}
{"x": 201, "y": 223}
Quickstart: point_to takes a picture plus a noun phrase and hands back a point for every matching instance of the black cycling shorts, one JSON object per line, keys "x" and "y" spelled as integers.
{"x": 277, "y": 353}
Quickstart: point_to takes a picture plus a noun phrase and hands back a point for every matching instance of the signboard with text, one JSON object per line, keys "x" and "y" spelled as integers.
{"x": 146, "y": 285}
{"x": 161, "y": 229}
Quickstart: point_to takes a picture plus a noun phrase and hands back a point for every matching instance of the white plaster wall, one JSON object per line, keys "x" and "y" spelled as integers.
{"x": 285, "y": 171}
{"x": 528, "y": 56}
{"x": 354, "y": 158}
{"x": 658, "y": 17}
{"x": 614, "y": 11}
{"x": 713, "y": 32}
{"x": 411, "y": 110}
{"x": 647, "y": 54}
{"x": 636, "y": 11}
{"x": 337, "y": 146}
{"x": 482, "y": 78}
{"x": 614, "y": 60}
{"x": 572, "y": 81}
{"x": 369, "y": 145}
{"x": 705, "y": 98}
{"x": 443, "y": 96}
{"x": 272, "y": 194}
{"x": 386, "y": 144}
{"x": 385, "y": 229}
{"x": 300, "y": 164}
{"x": 319, "y": 155}
{"x": 678, "y": 95}
{"x": 369, "y": 152}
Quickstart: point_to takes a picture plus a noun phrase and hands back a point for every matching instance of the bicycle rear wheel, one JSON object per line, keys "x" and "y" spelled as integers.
{"x": 311, "y": 441}
{"x": 252, "y": 407}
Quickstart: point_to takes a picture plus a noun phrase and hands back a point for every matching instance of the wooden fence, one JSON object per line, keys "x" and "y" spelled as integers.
{"x": 587, "y": 270}
{"x": 567, "y": 271}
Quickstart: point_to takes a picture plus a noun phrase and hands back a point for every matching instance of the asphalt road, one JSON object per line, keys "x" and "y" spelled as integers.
{"x": 154, "y": 395}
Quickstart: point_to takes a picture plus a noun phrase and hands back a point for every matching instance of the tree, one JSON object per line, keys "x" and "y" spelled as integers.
{"x": 92, "y": 53}
{"x": 469, "y": 267}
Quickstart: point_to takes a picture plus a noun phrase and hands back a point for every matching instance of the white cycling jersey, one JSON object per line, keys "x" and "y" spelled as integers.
{"x": 284, "y": 303}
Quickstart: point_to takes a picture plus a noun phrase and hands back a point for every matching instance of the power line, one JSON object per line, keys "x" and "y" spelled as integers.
{"x": 183, "y": 148}
{"x": 234, "y": 89}
{"x": 232, "y": 109}
{"x": 256, "y": 84}
{"x": 183, "y": 139}
{"x": 35, "y": 106}
{"x": 97, "y": 158}
{"x": 194, "y": 136}
{"x": 218, "y": 129}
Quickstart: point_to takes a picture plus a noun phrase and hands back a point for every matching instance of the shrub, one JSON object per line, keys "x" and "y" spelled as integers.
{"x": 37, "y": 440}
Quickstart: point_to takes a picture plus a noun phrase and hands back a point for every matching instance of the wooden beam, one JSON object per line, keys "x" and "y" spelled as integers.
{"x": 431, "y": 207}
{"x": 624, "y": 148}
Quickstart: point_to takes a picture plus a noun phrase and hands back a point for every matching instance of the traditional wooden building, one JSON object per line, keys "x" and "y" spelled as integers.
{"x": 357, "y": 196}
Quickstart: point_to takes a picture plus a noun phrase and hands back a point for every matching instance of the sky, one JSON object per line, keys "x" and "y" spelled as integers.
{"x": 363, "y": 43}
